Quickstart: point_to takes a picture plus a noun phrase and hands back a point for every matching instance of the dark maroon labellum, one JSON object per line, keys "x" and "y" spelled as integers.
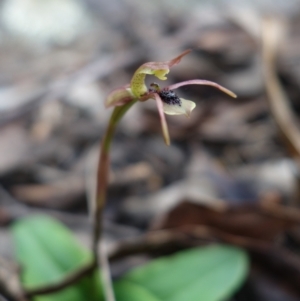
{"x": 169, "y": 97}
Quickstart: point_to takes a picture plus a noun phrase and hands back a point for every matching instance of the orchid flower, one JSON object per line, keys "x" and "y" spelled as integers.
{"x": 167, "y": 100}
{"x": 122, "y": 99}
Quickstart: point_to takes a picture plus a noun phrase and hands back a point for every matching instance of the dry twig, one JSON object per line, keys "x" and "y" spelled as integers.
{"x": 71, "y": 278}
{"x": 10, "y": 286}
{"x": 278, "y": 100}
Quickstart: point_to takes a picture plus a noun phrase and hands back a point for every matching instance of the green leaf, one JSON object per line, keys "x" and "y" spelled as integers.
{"x": 47, "y": 251}
{"x": 211, "y": 273}
{"x": 129, "y": 291}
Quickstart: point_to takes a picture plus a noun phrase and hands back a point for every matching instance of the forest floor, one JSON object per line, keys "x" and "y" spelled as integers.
{"x": 232, "y": 170}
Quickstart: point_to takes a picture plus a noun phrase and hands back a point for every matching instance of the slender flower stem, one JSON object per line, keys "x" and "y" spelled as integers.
{"x": 103, "y": 173}
{"x": 102, "y": 182}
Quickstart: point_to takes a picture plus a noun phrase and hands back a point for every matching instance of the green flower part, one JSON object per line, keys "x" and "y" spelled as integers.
{"x": 158, "y": 69}
{"x": 166, "y": 99}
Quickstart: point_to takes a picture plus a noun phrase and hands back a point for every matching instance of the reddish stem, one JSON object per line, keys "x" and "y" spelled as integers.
{"x": 103, "y": 173}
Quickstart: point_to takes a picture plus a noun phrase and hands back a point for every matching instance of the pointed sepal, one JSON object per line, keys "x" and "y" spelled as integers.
{"x": 204, "y": 83}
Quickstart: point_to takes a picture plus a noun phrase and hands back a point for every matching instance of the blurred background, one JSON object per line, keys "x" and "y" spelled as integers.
{"x": 232, "y": 166}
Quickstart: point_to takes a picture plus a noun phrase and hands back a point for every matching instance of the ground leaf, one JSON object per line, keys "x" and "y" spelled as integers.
{"x": 47, "y": 251}
{"x": 211, "y": 273}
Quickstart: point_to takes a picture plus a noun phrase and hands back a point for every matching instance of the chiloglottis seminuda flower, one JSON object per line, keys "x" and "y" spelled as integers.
{"x": 166, "y": 99}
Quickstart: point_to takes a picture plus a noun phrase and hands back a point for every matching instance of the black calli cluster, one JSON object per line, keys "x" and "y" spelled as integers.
{"x": 169, "y": 97}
